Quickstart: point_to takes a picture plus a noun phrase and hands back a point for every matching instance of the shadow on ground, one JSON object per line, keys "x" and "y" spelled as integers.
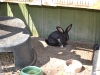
{"x": 81, "y": 51}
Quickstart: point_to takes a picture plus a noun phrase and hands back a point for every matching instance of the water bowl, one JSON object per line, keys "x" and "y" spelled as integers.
{"x": 73, "y": 66}
{"x": 31, "y": 70}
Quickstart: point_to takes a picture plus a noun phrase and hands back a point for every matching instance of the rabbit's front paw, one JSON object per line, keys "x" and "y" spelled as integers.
{"x": 61, "y": 46}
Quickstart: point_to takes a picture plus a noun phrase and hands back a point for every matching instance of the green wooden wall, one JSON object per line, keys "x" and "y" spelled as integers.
{"x": 42, "y": 20}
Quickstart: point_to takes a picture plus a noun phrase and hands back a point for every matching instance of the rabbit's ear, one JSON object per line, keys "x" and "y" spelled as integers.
{"x": 68, "y": 28}
{"x": 60, "y": 29}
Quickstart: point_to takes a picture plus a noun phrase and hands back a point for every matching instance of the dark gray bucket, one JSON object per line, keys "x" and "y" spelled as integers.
{"x": 14, "y": 37}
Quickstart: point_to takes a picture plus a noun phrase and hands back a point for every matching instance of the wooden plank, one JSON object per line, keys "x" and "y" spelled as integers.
{"x": 35, "y": 20}
{"x": 30, "y": 2}
{"x": 35, "y": 2}
{"x": 78, "y": 25}
{"x": 51, "y": 20}
{"x": 91, "y": 26}
{"x": 24, "y": 11}
{"x": 97, "y": 27}
{"x": 88, "y": 4}
{"x": 3, "y": 9}
{"x": 85, "y": 25}
{"x": 41, "y": 21}
{"x": 67, "y": 17}
{"x": 9, "y": 10}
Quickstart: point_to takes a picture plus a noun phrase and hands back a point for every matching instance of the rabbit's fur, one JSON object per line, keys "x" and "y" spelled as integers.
{"x": 59, "y": 37}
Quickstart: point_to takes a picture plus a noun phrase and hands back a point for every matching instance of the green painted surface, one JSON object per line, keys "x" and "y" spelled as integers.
{"x": 42, "y": 20}
{"x": 3, "y": 8}
{"x": 35, "y": 20}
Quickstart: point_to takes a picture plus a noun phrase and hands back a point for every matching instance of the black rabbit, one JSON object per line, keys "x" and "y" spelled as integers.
{"x": 59, "y": 37}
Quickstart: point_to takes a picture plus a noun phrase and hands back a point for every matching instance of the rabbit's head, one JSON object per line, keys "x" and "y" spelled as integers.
{"x": 65, "y": 35}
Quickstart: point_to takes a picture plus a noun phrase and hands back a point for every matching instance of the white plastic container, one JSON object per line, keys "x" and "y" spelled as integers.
{"x": 73, "y": 66}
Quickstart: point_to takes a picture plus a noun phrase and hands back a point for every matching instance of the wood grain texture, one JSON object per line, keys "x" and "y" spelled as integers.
{"x": 42, "y": 20}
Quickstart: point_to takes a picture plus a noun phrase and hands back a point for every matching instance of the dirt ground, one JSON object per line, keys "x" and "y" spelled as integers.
{"x": 52, "y": 59}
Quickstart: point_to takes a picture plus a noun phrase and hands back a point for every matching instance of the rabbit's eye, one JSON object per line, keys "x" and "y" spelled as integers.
{"x": 67, "y": 38}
